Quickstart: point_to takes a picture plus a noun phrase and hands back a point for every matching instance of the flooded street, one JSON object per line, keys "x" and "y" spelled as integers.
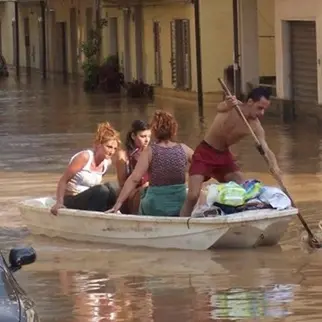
{"x": 42, "y": 126}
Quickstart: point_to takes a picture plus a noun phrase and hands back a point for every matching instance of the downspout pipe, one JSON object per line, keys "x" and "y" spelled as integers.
{"x": 198, "y": 57}
{"x": 237, "y": 71}
{"x": 17, "y": 53}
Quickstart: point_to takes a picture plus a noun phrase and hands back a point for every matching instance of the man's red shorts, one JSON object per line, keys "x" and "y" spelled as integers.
{"x": 212, "y": 163}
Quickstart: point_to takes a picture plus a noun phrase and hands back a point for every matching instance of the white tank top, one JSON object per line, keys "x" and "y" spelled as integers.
{"x": 86, "y": 178}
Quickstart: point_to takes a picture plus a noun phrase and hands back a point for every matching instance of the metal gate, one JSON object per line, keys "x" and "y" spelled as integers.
{"x": 303, "y": 62}
{"x": 157, "y": 53}
{"x": 180, "y": 54}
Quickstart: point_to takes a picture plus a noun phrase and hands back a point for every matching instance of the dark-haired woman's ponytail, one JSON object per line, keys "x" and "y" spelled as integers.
{"x": 129, "y": 142}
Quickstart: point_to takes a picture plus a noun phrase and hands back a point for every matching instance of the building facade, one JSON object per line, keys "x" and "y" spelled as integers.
{"x": 155, "y": 41}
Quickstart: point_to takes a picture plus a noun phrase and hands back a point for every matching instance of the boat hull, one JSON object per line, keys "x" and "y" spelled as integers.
{"x": 243, "y": 230}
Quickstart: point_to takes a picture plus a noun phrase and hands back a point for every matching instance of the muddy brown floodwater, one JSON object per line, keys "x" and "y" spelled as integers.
{"x": 42, "y": 125}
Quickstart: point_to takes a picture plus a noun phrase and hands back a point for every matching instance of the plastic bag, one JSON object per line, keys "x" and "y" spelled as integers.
{"x": 230, "y": 194}
{"x": 253, "y": 188}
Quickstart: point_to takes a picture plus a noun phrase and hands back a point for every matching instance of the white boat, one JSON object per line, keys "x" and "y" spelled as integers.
{"x": 246, "y": 229}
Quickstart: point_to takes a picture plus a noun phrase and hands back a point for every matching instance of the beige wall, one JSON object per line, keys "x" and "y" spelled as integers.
{"x": 294, "y": 10}
{"x": 266, "y": 33}
{"x": 217, "y": 40}
{"x": 164, "y": 14}
{"x": 214, "y": 16}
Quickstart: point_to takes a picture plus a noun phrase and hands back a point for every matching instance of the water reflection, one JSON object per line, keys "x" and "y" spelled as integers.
{"x": 235, "y": 304}
{"x": 84, "y": 282}
{"x": 95, "y": 297}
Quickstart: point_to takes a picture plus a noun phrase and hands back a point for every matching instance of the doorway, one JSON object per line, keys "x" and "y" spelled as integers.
{"x": 26, "y": 27}
{"x": 127, "y": 46}
{"x": 61, "y": 45}
{"x": 113, "y": 36}
{"x": 73, "y": 40}
{"x": 14, "y": 43}
{"x": 89, "y": 21}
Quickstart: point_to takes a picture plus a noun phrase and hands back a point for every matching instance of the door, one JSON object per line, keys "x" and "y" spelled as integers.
{"x": 303, "y": 63}
{"x": 27, "y": 43}
{"x": 157, "y": 53}
{"x": 73, "y": 40}
{"x": 113, "y": 36}
{"x": 61, "y": 45}
{"x": 52, "y": 29}
{"x": 139, "y": 28}
{"x": 40, "y": 43}
{"x": 127, "y": 46}
{"x": 89, "y": 21}
{"x": 14, "y": 43}
{"x": 180, "y": 54}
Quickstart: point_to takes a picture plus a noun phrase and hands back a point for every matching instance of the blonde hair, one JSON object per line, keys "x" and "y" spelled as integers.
{"x": 105, "y": 132}
{"x": 163, "y": 125}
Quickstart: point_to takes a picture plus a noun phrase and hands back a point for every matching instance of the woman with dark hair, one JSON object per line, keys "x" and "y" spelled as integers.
{"x": 165, "y": 161}
{"x": 137, "y": 139}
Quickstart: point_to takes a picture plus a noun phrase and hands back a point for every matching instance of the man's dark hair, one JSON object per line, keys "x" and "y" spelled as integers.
{"x": 257, "y": 93}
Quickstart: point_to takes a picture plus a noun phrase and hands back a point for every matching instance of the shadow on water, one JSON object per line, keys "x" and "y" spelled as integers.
{"x": 43, "y": 124}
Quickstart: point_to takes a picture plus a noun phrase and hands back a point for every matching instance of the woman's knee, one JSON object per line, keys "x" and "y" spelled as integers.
{"x": 101, "y": 193}
{"x": 100, "y": 190}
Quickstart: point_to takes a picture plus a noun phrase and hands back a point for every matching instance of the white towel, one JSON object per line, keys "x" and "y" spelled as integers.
{"x": 275, "y": 197}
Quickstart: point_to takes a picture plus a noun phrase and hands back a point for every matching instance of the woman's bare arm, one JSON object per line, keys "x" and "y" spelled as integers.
{"x": 188, "y": 151}
{"x": 75, "y": 166}
{"x": 121, "y": 164}
{"x": 134, "y": 179}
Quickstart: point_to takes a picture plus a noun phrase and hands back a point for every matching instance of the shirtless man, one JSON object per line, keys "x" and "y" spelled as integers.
{"x": 212, "y": 158}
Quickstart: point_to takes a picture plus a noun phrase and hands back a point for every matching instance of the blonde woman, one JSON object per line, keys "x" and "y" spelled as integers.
{"x": 80, "y": 185}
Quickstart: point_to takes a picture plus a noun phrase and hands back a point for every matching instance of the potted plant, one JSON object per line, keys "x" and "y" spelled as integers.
{"x": 91, "y": 49}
